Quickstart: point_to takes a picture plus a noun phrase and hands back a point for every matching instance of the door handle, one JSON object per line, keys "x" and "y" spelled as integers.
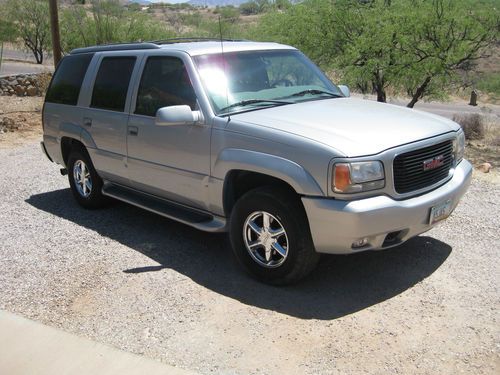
{"x": 87, "y": 121}
{"x": 133, "y": 130}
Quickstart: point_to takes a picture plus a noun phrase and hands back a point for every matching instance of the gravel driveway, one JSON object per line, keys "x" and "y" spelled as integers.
{"x": 148, "y": 285}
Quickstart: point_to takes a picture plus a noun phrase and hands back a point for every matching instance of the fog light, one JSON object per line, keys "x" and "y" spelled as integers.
{"x": 360, "y": 243}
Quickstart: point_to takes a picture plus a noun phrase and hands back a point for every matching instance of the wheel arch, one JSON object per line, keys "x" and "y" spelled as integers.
{"x": 244, "y": 170}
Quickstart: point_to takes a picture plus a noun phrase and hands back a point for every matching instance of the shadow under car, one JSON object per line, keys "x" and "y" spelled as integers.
{"x": 341, "y": 285}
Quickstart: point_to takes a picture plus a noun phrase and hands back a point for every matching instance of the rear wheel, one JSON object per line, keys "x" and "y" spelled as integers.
{"x": 270, "y": 236}
{"x": 85, "y": 183}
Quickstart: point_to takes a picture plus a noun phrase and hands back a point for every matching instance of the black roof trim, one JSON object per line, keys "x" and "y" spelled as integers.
{"x": 115, "y": 47}
{"x": 147, "y": 45}
{"x": 194, "y": 39}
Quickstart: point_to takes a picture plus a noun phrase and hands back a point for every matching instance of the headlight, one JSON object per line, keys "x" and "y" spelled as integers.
{"x": 459, "y": 147}
{"x": 358, "y": 177}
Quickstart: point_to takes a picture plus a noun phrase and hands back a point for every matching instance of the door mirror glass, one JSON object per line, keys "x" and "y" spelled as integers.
{"x": 345, "y": 90}
{"x": 177, "y": 115}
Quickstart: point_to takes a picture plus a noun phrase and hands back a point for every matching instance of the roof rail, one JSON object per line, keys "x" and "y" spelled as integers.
{"x": 116, "y": 47}
{"x": 193, "y": 39}
{"x": 146, "y": 45}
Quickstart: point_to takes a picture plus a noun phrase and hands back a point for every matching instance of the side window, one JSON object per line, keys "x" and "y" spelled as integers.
{"x": 111, "y": 83}
{"x": 68, "y": 78}
{"x": 164, "y": 82}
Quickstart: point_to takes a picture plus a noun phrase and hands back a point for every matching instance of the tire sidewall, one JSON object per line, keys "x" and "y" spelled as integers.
{"x": 95, "y": 197}
{"x": 297, "y": 235}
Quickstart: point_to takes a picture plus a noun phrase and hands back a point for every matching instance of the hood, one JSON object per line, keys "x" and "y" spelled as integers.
{"x": 354, "y": 127}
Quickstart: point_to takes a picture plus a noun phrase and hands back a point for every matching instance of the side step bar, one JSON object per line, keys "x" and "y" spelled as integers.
{"x": 187, "y": 215}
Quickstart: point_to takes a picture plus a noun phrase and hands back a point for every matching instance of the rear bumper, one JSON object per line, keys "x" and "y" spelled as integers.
{"x": 336, "y": 224}
{"x": 44, "y": 150}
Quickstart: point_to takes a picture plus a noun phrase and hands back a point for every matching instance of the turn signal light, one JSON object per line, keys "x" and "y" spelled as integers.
{"x": 342, "y": 179}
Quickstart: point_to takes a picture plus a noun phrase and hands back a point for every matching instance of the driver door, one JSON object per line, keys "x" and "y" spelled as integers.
{"x": 171, "y": 161}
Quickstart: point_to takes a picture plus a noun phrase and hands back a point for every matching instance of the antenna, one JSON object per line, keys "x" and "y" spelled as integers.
{"x": 224, "y": 65}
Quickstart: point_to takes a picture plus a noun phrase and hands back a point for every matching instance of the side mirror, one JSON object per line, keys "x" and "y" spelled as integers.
{"x": 177, "y": 115}
{"x": 345, "y": 90}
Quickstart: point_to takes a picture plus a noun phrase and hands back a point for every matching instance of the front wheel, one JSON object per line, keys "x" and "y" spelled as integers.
{"x": 270, "y": 236}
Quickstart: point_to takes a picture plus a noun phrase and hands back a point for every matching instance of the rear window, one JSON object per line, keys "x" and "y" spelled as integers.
{"x": 68, "y": 78}
{"x": 111, "y": 83}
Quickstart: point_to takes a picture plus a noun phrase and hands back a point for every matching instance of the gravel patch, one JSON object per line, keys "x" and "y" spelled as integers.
{"x": 148, "y": 285}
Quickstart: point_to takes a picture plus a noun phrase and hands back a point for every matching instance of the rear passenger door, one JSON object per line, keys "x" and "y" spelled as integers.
{"x": 107, "y": 115}
{"x": 168, "y": 161}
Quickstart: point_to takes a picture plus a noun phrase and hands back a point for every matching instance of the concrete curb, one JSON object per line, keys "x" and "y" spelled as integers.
{"x": 28, "y": 347}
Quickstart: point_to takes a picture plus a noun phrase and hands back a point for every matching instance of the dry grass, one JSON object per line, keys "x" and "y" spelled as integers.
{"x": 486, "y": 149}
{"x": 472, "y": 125}
{"x": 23, "y": 119}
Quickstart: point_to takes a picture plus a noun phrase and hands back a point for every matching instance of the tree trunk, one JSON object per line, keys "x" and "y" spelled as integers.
{"x": 419, "y": 92}
{"x": 378, "y": 87}
{"x": 38, "y": 56}
{"x": 381, "y": 96}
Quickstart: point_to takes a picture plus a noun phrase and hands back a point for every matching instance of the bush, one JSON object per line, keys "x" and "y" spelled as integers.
{"x": 490, "y": 83}
{"x": 472, "y": 125}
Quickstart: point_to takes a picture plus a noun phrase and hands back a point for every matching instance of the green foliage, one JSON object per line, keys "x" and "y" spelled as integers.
{"x": 107, "y": 22}
{"x": 29, "y": 22}
{"x": 419, "y": 47}
{"x": 490, "y": 83}
{"x": 8, "y": 31}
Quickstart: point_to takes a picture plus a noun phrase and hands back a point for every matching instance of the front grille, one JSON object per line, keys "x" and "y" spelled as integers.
{"x": 409, "y": 171}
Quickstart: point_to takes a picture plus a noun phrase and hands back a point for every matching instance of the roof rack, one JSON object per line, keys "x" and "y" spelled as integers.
{"x": 116, "y": 47}
{"x": 193, "y": 39}
{"x": 147, "y": 45}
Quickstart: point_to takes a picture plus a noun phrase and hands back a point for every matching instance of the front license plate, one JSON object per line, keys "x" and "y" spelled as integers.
{"x": 440, "y": 212}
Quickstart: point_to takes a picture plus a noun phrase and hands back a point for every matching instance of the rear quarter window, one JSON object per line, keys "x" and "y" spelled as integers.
{"x": 68, "y": 78}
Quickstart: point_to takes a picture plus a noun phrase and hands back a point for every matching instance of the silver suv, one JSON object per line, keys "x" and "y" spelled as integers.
{"x": 253, "y": 139}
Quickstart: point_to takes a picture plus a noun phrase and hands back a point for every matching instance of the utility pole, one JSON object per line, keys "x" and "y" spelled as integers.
{"x": 54, "y": 27}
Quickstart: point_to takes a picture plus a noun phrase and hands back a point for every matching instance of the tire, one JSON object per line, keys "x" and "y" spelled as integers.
{"x": 272, "y": 258}
{"x": 87, "y": 195}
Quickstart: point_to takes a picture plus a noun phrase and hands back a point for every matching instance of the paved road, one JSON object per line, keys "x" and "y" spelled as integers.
{"x": 11, "y": 68}
{"x": 19, "y": 62}
{"x": 445, "y": 109}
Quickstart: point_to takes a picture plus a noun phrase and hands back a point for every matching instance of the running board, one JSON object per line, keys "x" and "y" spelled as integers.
{"x": 195, "y": 218}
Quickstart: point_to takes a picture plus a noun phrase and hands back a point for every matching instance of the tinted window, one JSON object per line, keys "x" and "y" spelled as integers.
{"x": 68, "y": 78}
{"x": 164, "y": 82}
{"x": 111, "y": 83}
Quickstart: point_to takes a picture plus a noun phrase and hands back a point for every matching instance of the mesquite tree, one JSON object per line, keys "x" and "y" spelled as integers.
{"x": 31, "y": 20}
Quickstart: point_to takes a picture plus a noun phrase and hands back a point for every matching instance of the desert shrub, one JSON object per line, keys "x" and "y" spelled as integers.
{"x": 472, "y": 125}
{"x": 490, "y": 83}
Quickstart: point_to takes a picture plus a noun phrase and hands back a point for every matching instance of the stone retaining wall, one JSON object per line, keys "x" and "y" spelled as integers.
{"x": 34, "y": 84}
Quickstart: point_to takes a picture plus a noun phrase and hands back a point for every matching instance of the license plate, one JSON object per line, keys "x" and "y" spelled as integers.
{"x": 440, "y": 212}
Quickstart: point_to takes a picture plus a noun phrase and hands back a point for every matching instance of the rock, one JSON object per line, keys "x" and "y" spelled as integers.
{"x": 31, "y": 91}
{"x": 485, "y": 167}
{"x": 19, "y": 90}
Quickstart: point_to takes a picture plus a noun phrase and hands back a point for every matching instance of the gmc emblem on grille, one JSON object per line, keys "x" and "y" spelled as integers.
{"x": 433, "y": 163}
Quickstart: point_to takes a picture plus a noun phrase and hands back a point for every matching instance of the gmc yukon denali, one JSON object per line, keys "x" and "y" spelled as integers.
{"x": 252, "y": 139}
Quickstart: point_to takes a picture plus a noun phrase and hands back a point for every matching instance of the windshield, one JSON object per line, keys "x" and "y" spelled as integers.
{"x": 251, "y": 80}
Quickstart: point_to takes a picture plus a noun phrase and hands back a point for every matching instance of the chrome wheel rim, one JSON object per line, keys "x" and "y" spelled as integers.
{"x": 82, "y": 179}
{"x": 265, "y": 239}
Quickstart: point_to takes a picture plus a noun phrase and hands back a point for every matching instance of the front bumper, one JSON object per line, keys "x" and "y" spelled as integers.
{"x": 385, "y": 222}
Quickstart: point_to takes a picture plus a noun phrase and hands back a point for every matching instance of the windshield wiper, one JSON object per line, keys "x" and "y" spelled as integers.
{"x": 254, "y": 101}
{"x": 315, "y": 92}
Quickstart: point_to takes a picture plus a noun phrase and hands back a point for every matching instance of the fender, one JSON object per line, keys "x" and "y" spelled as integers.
{"x": 70, "y": 130}
{"x": 87, "y": 139}
{"x": 74, "y": 131}
{"x": 286, "y": 170}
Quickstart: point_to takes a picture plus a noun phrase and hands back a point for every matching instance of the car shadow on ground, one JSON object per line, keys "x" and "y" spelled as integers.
{"x": 341, "y": 285}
